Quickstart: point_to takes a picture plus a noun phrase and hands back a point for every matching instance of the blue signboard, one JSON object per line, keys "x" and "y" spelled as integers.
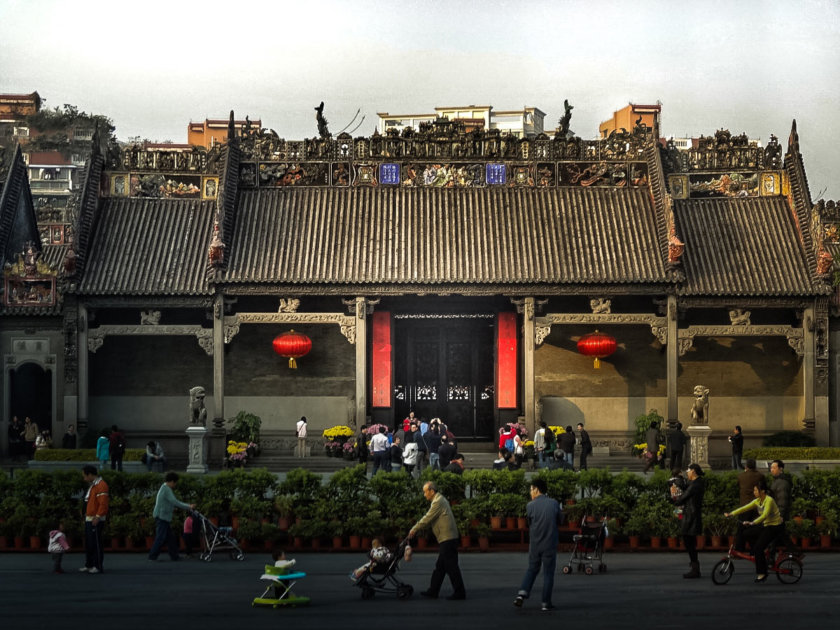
{"x": 496, "y": 174}
{"x": 389, "y": 173}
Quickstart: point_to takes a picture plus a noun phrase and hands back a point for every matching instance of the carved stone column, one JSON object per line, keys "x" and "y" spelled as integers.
{"x": 84, "y": 370}
{"x": 809, "y": 368}
{"x": 219, "y": 365}
{"x": 672, "y": 355}
{"x": 361, "y": 360}
{"x": 699, "y": 453}
{"x": 197, "y": 450}
{"x": 528, "y": 386}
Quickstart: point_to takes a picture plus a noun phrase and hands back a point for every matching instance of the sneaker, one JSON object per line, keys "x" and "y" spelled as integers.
{"x": 519, "y": 601}
{"x": 93, "y": 570}
{"x": 429, "y": 594}
{"x": 84, "y": 570}
{"x": 547, "y": 606}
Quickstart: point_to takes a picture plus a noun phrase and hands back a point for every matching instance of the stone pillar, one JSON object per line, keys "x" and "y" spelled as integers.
{"x": 218, "y": 365}
{"x": 672, "y": 353}
{"x": 699, "y": 451}
{"x": 361, "y": 360}
{"x": 528, "y": 386}
{"x": 84, "y": 372}
{"x": 197, "y": 450}
{"x": 809, "y": 368}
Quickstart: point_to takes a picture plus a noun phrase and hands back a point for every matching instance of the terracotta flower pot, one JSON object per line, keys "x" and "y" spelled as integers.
{"x": 484, "y": 543}
{"x": 717, "y": 541}
{"x": 701, "y": 542}
{"x": 18, "y": 542}
{"x": 116, "y": 542}
{"x": 466, "y": 541}
{"x": 316, "y": 543}
{"x": 283, "y": 523}
{"x": 34, "y": 542}
{"x": 655, "y": 542}
{"x": 522, "y": 522}
{"x": 634, "y": 542}
{"x": 337, "y": 542}
{"x": 355, "y": 541}
{"x": 298, "y": 542}
{"x": 510, "y": 522}
{"x": 4, "y": 542}
{"x": 825, "y": 541}
{"x": 673, "y": 542}
{"x": 495, "y": 522}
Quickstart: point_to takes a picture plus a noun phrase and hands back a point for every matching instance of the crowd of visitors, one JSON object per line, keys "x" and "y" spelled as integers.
{"x": 412, "y": 445}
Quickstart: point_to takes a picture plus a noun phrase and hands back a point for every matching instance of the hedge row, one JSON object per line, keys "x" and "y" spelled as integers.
{"x": 388, "y": 503}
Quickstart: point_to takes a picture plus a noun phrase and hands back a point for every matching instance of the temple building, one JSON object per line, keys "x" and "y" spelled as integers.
{"x": 447, "y": 270}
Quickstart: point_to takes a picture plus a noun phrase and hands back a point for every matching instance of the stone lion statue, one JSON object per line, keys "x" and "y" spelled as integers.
{"x": 700, "y": 408}
{"x": 198, "y": 412}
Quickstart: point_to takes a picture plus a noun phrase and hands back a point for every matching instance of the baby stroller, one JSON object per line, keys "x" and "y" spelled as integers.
{"x": 381, "y": 578}
{"x": 216, "y": 538}
{"x": 588, "y": 548}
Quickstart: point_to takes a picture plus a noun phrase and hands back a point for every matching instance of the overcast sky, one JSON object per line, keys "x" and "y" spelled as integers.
{"x": 749, "y": 66}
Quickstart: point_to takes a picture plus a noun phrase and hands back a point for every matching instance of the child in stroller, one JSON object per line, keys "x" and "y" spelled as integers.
{"x": 378, "y": 574}
{"x": 379, "y": 556}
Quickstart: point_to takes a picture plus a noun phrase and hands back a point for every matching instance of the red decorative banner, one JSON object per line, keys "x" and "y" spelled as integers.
{"x": 382, "y": 363}
{"x": 506, "y": 339}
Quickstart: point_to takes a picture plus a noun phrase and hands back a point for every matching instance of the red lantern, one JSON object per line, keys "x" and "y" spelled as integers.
{"x": 292, "y": 345}
{"x": 598, "y": 345}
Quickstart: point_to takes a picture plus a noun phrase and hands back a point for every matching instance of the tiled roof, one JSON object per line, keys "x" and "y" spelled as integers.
{"x": 486, "y": 236}
{"x": 149, "y": 247}
{"x": 742, "y": 247}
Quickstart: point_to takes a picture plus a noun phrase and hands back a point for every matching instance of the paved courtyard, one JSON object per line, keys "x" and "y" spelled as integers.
{"x": 640, "y": 590}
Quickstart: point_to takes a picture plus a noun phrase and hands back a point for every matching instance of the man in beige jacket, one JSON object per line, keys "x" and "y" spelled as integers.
{"x": 442, "y": 523}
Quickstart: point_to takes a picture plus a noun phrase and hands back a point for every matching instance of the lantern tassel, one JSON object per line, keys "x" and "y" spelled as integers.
{"x": 292, "y": 363}
{"x": 597, "y": 363}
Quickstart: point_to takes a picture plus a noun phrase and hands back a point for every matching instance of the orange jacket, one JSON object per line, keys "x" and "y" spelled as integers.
{"x": 97, "y": 499}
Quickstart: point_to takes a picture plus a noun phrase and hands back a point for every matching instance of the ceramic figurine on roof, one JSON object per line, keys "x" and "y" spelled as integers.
{"x": 323, "y": 130}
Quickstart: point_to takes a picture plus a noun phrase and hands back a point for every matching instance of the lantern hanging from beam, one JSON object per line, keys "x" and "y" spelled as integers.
{"x": 292, "y": 345}
{"x": 598, "y": 345}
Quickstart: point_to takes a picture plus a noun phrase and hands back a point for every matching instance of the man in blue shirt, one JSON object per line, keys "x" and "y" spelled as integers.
{"x": 544, "y": 515}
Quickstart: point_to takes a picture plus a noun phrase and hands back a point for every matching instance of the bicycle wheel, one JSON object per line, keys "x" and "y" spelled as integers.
{"x": 789, "y": 571}
{"x": 723, "y": 571}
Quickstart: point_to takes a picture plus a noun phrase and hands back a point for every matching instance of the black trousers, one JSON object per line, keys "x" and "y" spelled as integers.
{"x": 116, "y": 462}
{"x": 690, "y": 542}
{"x": 94, "y": 552}
{"x": 447, "y": 564}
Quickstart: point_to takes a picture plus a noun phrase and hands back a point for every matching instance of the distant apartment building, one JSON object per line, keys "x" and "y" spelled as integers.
{"x": 627, "y": 118}
{"x": 214, "y": 130}
{"x": 523, "y": 123}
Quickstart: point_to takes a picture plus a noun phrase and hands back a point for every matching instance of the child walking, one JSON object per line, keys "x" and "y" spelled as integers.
{"x": 57, "y": 546}
{"x": 190, "y": 535}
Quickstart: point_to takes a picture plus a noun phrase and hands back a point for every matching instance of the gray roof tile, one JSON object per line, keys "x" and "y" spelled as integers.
{"x": 431, "y": 236}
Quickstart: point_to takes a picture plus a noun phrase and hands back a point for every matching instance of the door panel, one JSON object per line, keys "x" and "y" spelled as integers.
{"x": 445, "y": 368}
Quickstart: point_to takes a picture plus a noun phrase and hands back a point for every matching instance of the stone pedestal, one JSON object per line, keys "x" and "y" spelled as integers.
{"x": 197, "y": 450}
{"x": 699, "y": 453}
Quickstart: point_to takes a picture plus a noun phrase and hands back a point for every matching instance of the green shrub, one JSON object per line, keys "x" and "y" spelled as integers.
{"x": 81, "y": 454}
{"x": 793, "y": 453}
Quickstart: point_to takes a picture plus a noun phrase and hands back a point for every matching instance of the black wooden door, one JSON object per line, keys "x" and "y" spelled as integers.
{"x": 445, "y": 369}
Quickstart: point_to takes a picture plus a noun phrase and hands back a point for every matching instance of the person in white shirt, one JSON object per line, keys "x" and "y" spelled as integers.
{"x": 301, "y": 436}
{"x": 379, "y": 448}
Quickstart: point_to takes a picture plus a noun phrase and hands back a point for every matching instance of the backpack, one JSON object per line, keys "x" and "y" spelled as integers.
{"x": 509, "y": 445}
